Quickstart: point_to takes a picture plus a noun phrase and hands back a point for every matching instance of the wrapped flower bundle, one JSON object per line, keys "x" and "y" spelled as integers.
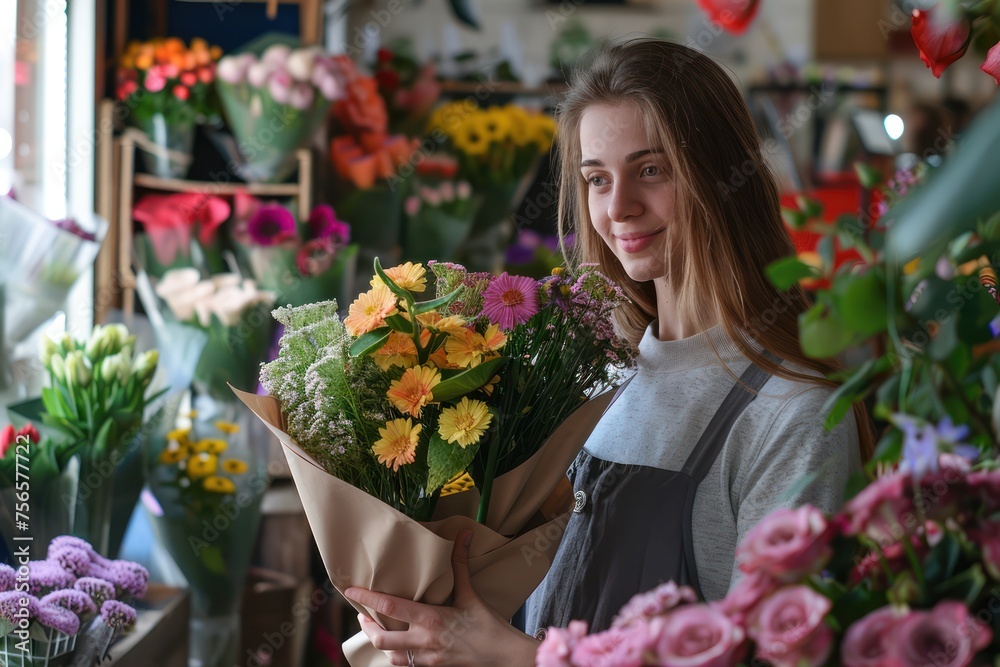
{"x": 477, "y": 386}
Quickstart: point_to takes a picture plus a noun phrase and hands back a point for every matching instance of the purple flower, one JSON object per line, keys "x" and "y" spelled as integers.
{"x": 76, "y": 601}
{"x": 63, "y": 542}
{"x": 117, "y": 615}
{"x": 8, "y": 577}
{"x": 58, "y": 618}
{"x": 323, "y": 224}
{"x": 995, "y": 326}
{"x": 129, "y": 577}
{"x": 923, "y": 443}
{"x": 271, "y": 225}
{"x": 73, "y": 559}
{"x": 98, "y": 589}
{"x": 15, "y": 605}
{"x": 510, "y": 300}
{"x": 47, "y": 575}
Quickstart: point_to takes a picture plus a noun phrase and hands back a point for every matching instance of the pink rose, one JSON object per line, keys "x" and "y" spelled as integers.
{"x": 645, "y": 606}
{"x": 867, "y": 642}
{"x": 787, "y": 543}
{"x": 697, "y": 636}
{"x": 883, "y": 510}
{"x": 615, "y": 647}
{"x": 992, "y": 63}
{"x": 740, "y": 603}
{"x": 558, "y": 645}
{"x": 154, "y": 82}
{"x": 945, "y": 636}
{"x": 789, "y": 629}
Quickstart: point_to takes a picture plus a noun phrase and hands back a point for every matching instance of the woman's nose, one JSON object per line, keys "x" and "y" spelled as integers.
{"x": 624, "y": 203}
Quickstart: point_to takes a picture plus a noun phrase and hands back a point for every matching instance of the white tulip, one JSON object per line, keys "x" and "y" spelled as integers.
{"x": 182, "y": 305}
{"x": 300, "y": 63}
{"x": 233, "y": 69}
{"x": 276, "y": 54}
{"x": 48, "y": 348}
{"x": 258, "y": 73}
{"x": 221, "y": 280}
{"x": 176, "y": 281}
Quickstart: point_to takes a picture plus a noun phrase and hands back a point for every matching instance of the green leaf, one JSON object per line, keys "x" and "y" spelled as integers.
{"x": 793, "y": 218}
{"x": 826, "y": 250}
{"x": 434, "y": 304}
{"x": 787, "y": 271}
{"x": 822, "y": 333}
{"x": 465, "y": 382}
{"x": 869, "y": 176}
{"x": 462, "y": 9}
{"x": 940, "y": 562}
{"x": 103, "y": 438}
{"x": 945, "y": 339}
{"x": 852, "y": 390}
{"x": 813, "y": 208}
{"x": 965, "y": 586}
{"x": 399, "y": 323}
{"x": 989, "y": 380}
{"x": 390, "y": 283}
{"x": 861, "y": 302}
{"x": 445, "y": 460}
{"x": 369, "y": 342}
{"x": 956, "y": 196}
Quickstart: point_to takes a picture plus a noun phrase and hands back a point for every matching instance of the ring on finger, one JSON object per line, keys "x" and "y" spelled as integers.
{"x": 409, "y": 658}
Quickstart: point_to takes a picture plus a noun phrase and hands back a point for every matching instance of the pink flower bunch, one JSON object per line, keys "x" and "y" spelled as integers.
{"x": 448, "y": 196}
{"x": 799, "y": 564}
{"x": 293, "y": 77}
{"x": 76, "y": 601}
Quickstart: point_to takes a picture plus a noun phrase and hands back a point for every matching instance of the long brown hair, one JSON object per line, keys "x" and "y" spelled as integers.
{"x": 727, "y": 217}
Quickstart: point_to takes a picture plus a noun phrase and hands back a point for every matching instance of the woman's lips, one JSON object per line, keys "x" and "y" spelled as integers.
{"x": 631, "y": 243}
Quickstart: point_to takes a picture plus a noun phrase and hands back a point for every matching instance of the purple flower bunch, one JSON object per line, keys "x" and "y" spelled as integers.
{"x": 74, "y": 582}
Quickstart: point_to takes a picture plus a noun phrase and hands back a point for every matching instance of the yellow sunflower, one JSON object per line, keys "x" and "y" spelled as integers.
{"x": 370, "y": 310}
{"x": 202, "y": 465}
{"x": 217, "y": 484}
{"x": 497, "y": 123}
{"x": 174, "y": 453}
{"x": 398, "y": 444}
{"x": 409, "y": 276}
{"x": 210, "y": 445}
{"x": 234, "y": 466}
{"x": 465, "y": 423}
{"x": 473, "y": 138}
{"x": 414, "y": 390}
{"x": 179, "y": 435}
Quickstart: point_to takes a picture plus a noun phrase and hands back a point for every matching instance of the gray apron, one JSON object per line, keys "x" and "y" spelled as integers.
{"x": 630, "y": 529}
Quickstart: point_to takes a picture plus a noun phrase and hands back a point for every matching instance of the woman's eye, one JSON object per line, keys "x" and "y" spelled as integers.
{"x": 596, "y": 181}
{"x": 650, "y": 170}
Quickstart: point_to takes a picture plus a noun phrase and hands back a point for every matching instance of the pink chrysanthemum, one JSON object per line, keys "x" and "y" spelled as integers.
{"x": 76, "y": 601}
{"x": 117, "y": 615}
{"x": 271, "y": 225}
{"x": 58, "y": 618}
{"x": 510, "y": 300}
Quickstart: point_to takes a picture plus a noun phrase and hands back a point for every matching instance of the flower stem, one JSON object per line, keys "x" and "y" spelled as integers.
{"x": 491, "y": 470}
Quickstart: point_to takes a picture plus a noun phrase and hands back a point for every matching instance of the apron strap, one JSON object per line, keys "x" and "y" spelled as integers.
{"x": 703, "y": 455}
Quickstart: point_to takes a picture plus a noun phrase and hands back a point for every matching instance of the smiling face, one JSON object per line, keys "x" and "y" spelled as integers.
{"x": 630, "y": 191}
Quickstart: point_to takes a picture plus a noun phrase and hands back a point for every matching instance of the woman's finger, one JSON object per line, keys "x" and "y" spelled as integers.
{"x": 464, "y": 592}
{"x": 389, "y": 640}
{"x": 391, "y": 606}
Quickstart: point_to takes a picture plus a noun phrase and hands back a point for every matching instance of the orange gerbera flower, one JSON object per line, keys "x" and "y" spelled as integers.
{"x": 398, "y": 443}
{"x": 453, "y": 324}
{"x": 369, "y": 310}
{"x": 414, "y": 390}
{"x": 399, "y": 350}
{"x": 469, "y": 349}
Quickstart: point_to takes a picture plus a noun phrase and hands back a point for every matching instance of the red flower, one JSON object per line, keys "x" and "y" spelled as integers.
{"x": 387, "y": 79}
{"x": 384, "y": 56}
{"x": 182, "y": 93}
{"x": 942, "y": 39}
{"x": 170, "y": 219}
{"x": 733, "y": 15}
{"x": 7, "y": 436}
{"x": 992, "y": 64}
{"x": 29, "y": 433}
{"x": 189, "y": 78}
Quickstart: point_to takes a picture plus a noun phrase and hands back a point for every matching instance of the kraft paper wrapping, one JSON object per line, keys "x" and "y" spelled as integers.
{"x": 366, "y": 543}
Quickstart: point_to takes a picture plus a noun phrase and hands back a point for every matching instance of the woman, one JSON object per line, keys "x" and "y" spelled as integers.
{"x": 663, "y": 174}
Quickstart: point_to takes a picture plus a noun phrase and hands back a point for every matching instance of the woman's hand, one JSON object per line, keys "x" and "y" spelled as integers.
{"x": 469, "y": 632}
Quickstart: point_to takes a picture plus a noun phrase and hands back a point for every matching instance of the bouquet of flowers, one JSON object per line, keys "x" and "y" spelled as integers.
{"x": 96, "y": 403}
{"x": 498, "y": 150}
{"x": 438, "y": 219}
{"x": 75, "y": 601}
{"x": 300, "y": 262}
{"x": 168, "y": 88}
{"x": 274, "y": 100}
{"x": 901, "y": 576}
{"x": 409, "y": 90}
{"x": 52, "y": 474}
{"x": 232, "y": 311}
{"x": 205, "y": 489}
{"x": 476, "y": 388}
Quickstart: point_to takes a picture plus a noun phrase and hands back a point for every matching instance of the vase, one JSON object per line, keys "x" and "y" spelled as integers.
{"x": 209, "y": 534}
{"x": 166, "y": 144}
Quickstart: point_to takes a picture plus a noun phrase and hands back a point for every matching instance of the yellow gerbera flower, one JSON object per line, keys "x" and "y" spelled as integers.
{"x": 409, "y": 276}
{"x": 235, "y": 466}
{"x": 210, "y": 445}
{"x": 488, "y": 387}
{"x": 399, "y": 350}
{"x": 179, "y": 435}
{"x": 227, "y": 427}
{"x": 398, "y": 444}
{"x": 174, "y": 453}
{"x": 217, "y": 484}
{"x": 465, "y": 423}
{"x": 370, "y": 310}
{"x": 493, "y": 338}
{"x": 439, "y": 359}
{"x": 413, "y": 391}
{"x": 453, "y": 324}
{"x": 473, "y": 138}
{"x": 202, "y": 465}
